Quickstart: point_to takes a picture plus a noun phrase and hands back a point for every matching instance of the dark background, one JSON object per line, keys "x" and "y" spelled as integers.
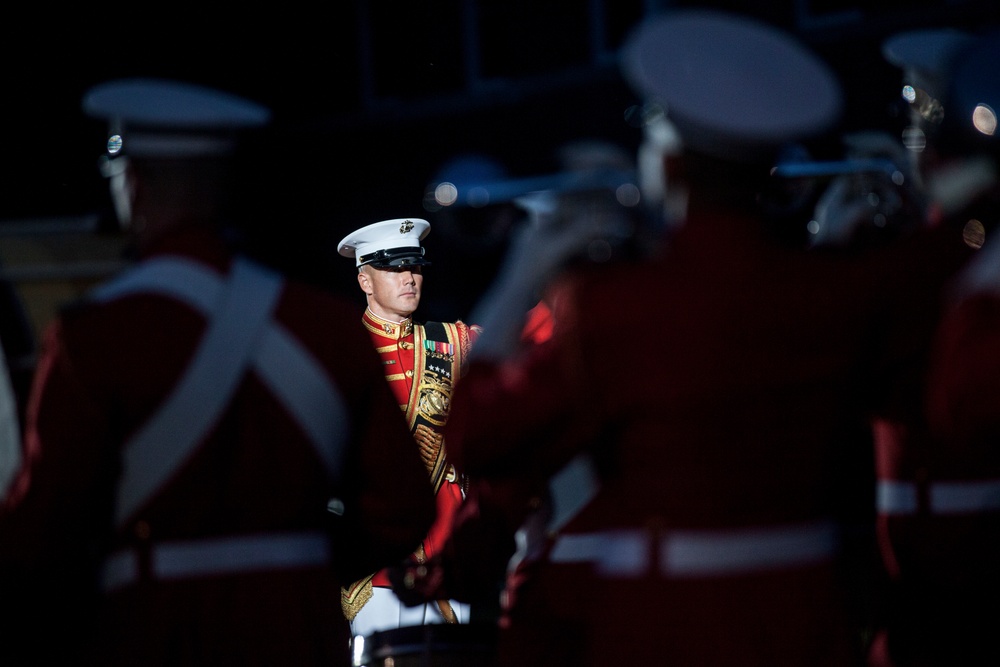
{"x": 372, "y": 97}
{"x": 385, "y": 91}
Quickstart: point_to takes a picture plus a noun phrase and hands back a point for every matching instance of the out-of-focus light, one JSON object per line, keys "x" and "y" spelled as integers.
{"x": 445, "y": 193}
{"x": 974, "y": 233}
{"x": 599, "y": 250}
{"x": 909, "y": 93}
{"x": 898, "y": 178}
{"x": 114, "y": 144}
{"x": 478, "y": 196}
{"x": 914, "y": 139}
{"x": 984, "y": 119}
{"x": 627, "y": 194}
{"x": 813, "y": 227}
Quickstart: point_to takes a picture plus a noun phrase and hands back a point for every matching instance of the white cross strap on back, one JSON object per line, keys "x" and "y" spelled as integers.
{"x": 240, "y": 336}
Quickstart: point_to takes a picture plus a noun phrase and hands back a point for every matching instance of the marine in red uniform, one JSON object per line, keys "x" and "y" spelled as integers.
{"x": 206, "y": 439}
{"x": 940, "y": 471}
{"x": 422, "y": 364}
{"x": 718, "y": 494}
{"x": 858, "y": 211}
{"x": 948, "y": 565}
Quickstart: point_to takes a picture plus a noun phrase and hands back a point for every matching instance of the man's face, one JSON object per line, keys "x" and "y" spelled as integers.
{"x": 393, "y": 293}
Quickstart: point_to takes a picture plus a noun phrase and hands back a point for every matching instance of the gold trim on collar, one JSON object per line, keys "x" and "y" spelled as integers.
{"x": 384, "y": 327}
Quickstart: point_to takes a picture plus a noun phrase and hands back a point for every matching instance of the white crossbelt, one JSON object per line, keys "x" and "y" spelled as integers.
{"x": 698, "y": 553}
{"x": 240, "y": 554}
{"x": 895, "y": 497}
{"x": 233, "y": 342}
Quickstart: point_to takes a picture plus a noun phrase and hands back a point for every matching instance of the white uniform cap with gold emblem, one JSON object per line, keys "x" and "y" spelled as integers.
{"x": 735, "y": 88}
{"x": 159, "y": 118}
{"x": 390, "y": 243}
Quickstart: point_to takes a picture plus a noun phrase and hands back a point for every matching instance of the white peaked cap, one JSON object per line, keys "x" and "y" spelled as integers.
{"x": 734, "y": 87}
{"x": 389, "y": 243}
{"x": 163, "y": 118}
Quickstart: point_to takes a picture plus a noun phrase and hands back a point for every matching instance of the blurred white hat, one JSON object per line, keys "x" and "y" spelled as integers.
{"x": 925, "y": 56}
{"x": 389, "y": 243}
{"x": 734, "y": 87}
{"x": 160, "y": 118}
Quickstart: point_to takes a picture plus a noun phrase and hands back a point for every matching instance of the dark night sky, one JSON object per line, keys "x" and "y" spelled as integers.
{"x": 371, "y": 99}
{"x": 364, "y": 135}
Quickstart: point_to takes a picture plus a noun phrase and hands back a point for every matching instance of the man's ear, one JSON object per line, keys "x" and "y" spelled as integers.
{"x": 365, "y": 282}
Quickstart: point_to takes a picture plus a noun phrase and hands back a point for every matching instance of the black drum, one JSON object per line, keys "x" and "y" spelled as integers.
{"x": 438, "y": 645}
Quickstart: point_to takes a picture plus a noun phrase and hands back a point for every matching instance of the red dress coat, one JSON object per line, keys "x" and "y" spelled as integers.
{"x": 719, "y": 390}
{"x": 238, "y": 555}
{"x": 423, "y": 395}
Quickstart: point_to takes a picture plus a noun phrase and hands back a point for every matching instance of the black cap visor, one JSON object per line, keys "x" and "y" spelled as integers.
{"x": 395, "y": 257}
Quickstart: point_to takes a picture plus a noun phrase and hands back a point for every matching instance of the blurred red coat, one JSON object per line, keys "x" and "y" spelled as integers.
{"x": 422, "y": 390}
{"x": 720, "y": 391}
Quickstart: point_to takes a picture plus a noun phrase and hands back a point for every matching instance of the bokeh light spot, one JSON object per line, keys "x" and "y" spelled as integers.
{"x": 478, "y": 196}
{"x": 627, "y": 194}
{"x": 445, "y": 193}
{"x": 974, "y": 233}
{"x": 914, "y": 139}
{"x": 599, "y": 250}
{"x": 984, "y": 119}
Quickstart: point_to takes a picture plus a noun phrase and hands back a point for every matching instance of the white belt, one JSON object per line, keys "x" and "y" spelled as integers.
{"x": 693, "y": 553}
{"x": 900, "y": 498}
{"x": 222, "y": 556}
